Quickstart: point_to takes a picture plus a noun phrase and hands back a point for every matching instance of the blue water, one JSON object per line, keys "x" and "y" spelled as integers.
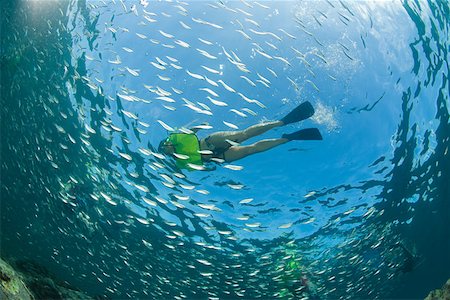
{"x": 362, "y": 214}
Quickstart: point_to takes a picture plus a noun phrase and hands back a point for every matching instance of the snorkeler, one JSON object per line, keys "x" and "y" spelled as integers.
{"x": 223, "y": 146}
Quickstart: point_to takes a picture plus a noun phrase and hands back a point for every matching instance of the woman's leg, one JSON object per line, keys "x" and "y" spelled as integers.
{"x": 238, "y": 152}
{"x": 218, "y": 139}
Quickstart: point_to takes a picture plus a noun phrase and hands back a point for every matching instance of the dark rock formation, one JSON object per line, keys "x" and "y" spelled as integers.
{"x": 442, "y": 294}
{"x": 29, "y": 280}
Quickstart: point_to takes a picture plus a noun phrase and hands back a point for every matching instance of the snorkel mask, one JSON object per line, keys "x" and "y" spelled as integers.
{"x": 164, "y": 144}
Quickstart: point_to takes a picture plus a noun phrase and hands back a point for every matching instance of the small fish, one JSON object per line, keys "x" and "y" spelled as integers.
{"x": 130, "y": 114}
{"x": 115, "y": 62}
{"x": 181, "y": 156}
{"x": 176, "y": 66}
{"x": 171, "y": 58}
{"x": 132, "y": 72}
{"x": 289, "y": 35}
{"x": 161, "y": 200}
{"x": 179, "y": 175}
{"x": 252, "y": 21}
{"x": 309, "y": 221}
{"x": 150, "y": 19}
{"x": 244, "y": 34}
{"x": 313, "y": 85}
{"x": 211, "y": 70}
{"x": 305, "y": 61}
{"x": 142, "y": 221}
{"x": 88, "y": 128}
{"x": 164, "y": 98}
{"x": 127, "y": 49}
{"x": 317, "y": 20}
{"x": 208, "y": 206}
{"x": 158, "y": 66}
{"x": 310, "y": 194}
{"x": 245, "y": 201}
{"x": 236, "y": 186}
{"x": 251, "y": 100}
{"x": 145, "y": 151}
{"x": 155, "y": 41}
{"x": 244, "y": 12}
{"x": 351, "y": 58}
{"x": 263, "y": 78}
{"x": 298, "y": 52}
{"x": 285, "y": 226}
{"x": 160, "y": 61}
{"x": 197, "y": 76}
{"x": 263, "y": 54}
{"x": 206, "y": 54}
{"x": 218, "y": 160}
{"x": 167, "y": 35}
{"x": 272, "y": 45}
{"x": 283, "y": 60}
{"x": 238, "y": 113}
{"x": 217, "y": 102}
{"x": 211, "y": 82}
{"x": 214, "y": 94}
{"x": 115, "y": 128}
{"x": 320, "y": 57}
{"x": 306, "y": 31}
{"x": 177, "y": 91}
{"x": 248, "y": 80}
{"x": 165, "y": 126}
{"x": 167, "y": 178}
{"x": 181, "y": 198}
{"x": 253, "y": 225}
{"x": 200, "y": 21}
{"x": 196, "y": 167}
{"x": 265, "y": 33}
{"x": 184, "y": 25}
{"x": 221, "y": 232}
{"x": 204, "y": 262}
{"x": 203, "y": 126}
{"x": 233, "y": 167}
{"x": 205, "y": 152}
{"x": 231, "y": 125}
{"x": 196, "y": 109}
{"x": 263, "y": 83}
{"x": 182, "y": 43}
{"x": 294, "y": 84}
{"x": 126, "y": 156}
{"x": 227, "y": 87}
{"x": 205, "y": 41}
{"x": 247, "y": 110}
{"x": 202, "y": 215}
{"x": 158, "y": 155}
{"x": 163, "y": 78}
{"x": 203, "y": 105}
{"x": 261, "y": 5}
{"x": 204, "y": 192}
{"x": 187, "y": 187}
{"x": 349, "y": 211}
{"x": 142, "y": 36}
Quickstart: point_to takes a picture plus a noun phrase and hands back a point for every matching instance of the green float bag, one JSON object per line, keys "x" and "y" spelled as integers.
{"x": 186, "y": 144}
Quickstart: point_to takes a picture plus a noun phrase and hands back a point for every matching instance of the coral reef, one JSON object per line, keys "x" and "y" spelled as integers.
{"x": 29, "y": 280}
{"x": 11, "y": 284}
{"x": 440, "y": 294}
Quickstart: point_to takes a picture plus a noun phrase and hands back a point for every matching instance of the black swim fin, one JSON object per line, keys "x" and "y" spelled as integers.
{"x": 308, "y": 134}
{"x": 301, "y": 112}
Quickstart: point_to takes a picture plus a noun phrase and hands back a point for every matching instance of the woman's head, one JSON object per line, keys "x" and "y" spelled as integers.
{"x": 166, "y": 147}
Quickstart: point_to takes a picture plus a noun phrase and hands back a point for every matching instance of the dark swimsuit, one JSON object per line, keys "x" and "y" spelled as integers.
{"x": 216, "y": 152}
